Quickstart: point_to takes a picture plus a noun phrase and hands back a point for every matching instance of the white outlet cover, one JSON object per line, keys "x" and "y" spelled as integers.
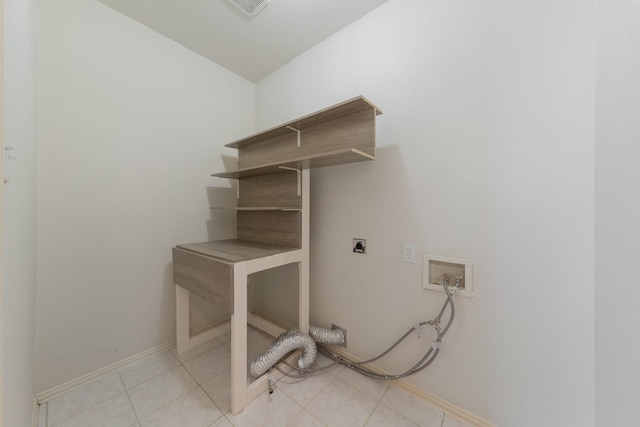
{"x": 409, "y": 252}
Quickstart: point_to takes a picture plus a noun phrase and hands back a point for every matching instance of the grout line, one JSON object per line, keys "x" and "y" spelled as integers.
{"x": 378, "y": 403}
{"x": 218, "y": 419}
{"x": 396, "y": 410}
{"x": 295, "y": 403}
{"x": 126, "y": 390}
{"x": 180, "y": 364}
{"x": 192, "y": 376}
{"x": 142, "y": 361}
{"x": 207, "y": 393}
{"x": 176, "y": 398}
{"x": 223, "y": 416}
{"x": 371, "y": 414}
{"x": 216, "y": 341}
{"x": 314, "y": 398}
{"x": 200, "y": 385}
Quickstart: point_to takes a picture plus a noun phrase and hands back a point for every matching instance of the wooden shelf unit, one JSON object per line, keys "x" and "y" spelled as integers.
{"x": 272, "y": 226}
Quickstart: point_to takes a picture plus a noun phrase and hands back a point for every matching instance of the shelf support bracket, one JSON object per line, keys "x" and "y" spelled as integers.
{"x": 299, "y": 172}
{"x": 297, "y": 131}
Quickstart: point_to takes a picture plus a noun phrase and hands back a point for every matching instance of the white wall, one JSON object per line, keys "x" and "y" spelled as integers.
{"x": 485, "y": 152}
{"x": 131, "y": 127}
{"x": 617, "y": 305}
{"x": 19, "y": 211}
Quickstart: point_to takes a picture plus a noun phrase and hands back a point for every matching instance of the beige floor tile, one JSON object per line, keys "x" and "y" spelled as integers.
{"x": 225, "y": 338}
{"x": 373, "y": 388}
{"x": 328, "y": 365}
{"x": 153, "y": 394}
{"x": 116, "y": 412}
{"x": 209, "y": 364}
{"x": 219, "y": 389}
{"x": 305, "y": 419}
{"x": 340, "y": 405}
{"x": 193, "y": 409}
{"x": 412, "y": 407}
{"x": 267, "y": 410}
{"x": 222, "y": 422}
{"x": 85, "y": 397}
{"x": 147, "y": 368}
{"x": 303, "y": 391}
{"x": 196, "y": 351}
{"x": 385, "y": 417}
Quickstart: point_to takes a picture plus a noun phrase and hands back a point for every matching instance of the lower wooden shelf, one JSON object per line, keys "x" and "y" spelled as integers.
{"x": 209, "y": 269}
{"x": 330, "y": 158}
{"x": 235, "y": 250}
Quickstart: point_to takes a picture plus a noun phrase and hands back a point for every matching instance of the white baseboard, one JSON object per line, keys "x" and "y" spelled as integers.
{"x": 46, "y": 396}
{"x": 444, "y": 405}
{"x": 447, "y": 407}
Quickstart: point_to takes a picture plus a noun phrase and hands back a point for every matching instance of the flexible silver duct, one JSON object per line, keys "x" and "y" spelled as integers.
{"x": 287, "y": 342}
{"x": 326, "y": 336}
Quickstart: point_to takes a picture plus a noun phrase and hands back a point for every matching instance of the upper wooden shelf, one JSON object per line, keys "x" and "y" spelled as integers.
{"x": 345, "y": 108}
{"x": 349, "y": 155}
{"x": 344, "y": 133}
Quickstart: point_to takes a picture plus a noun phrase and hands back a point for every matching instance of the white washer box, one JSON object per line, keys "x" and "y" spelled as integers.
{"x": 436, "y": 268}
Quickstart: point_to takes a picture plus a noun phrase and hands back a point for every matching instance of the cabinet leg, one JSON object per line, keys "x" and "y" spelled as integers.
{"x": 303, "y": 266}
{"x": 182, "y": 319}
{"x": 239, "y": 339}
{"x": 303, "y": 297}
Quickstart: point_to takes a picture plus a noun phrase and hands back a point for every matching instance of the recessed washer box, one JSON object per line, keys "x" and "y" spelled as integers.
{"x": 436, "y": 268}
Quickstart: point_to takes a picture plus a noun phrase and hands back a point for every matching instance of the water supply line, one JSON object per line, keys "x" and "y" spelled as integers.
{"x": 424, "y": 361}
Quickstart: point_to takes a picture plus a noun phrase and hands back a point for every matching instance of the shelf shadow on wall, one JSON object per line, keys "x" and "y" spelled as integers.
{"x": 223, "y": 200}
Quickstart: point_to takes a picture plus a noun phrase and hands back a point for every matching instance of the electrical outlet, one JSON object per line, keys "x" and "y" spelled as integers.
{"x": 344, "y": 333}
{"x": 409, "y": 252}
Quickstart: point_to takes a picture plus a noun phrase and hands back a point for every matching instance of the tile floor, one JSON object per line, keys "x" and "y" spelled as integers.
{"x": 192, "y": 390}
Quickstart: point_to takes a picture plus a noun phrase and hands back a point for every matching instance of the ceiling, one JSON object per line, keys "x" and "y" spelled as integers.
{"x": 252, "y": 48}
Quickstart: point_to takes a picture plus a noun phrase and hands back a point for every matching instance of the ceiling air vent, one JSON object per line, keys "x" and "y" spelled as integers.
{"x": 250, "y": 7}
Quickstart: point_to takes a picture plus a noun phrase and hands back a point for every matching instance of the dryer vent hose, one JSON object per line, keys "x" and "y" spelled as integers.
{"x": 326, "y": 336}
{"x": 287, "y": 342}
